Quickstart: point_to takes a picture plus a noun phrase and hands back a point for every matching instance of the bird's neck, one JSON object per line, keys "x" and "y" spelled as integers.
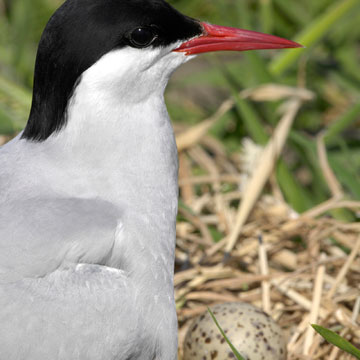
{"x": 120, "y": 147}
{"x": 124, "y": 153}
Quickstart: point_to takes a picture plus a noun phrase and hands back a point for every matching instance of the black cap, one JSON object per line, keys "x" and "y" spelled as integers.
{"x": 79, "y": 34}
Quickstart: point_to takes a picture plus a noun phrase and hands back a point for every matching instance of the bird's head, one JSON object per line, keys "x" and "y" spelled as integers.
{"x": 121, "y": 48}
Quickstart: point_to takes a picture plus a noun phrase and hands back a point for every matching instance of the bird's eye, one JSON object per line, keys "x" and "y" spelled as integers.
{"x": 142, "y": 37}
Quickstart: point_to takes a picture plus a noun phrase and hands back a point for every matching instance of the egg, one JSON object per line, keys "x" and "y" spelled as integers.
{"x": 254, "y": 334}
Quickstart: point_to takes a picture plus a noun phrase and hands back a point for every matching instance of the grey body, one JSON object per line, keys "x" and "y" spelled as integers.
{"x": 87, "y": 226}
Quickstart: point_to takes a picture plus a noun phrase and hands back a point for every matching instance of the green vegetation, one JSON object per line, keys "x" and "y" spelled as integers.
{"x": 328, "y": 66}
{"x": 337, "y": 340}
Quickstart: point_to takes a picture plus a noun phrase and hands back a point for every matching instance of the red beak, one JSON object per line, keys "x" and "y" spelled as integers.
{"x": 219, "y": 38}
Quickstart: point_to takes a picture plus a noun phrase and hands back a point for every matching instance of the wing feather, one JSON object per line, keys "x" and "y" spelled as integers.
{"x": 39, "y": 235}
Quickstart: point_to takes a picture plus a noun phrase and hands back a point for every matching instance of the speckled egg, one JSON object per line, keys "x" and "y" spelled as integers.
{"x": 255, "y": 334}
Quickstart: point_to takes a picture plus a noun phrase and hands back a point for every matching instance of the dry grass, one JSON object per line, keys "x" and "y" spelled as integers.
{"x": 301, "y": 269}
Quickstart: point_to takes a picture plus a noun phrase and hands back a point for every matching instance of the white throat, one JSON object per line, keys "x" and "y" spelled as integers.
{"x": 118, "y": 128}
{"x": 118, "y": 145}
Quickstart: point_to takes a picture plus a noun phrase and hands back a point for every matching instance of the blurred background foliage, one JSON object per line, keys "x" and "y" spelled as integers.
{"x": 328, "y": 66}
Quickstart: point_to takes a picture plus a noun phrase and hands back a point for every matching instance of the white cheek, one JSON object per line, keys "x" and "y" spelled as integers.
{"x": 132, "y": 73}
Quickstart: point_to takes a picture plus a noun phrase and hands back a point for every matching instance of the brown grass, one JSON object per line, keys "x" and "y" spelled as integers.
{"x": 301, "y": 269}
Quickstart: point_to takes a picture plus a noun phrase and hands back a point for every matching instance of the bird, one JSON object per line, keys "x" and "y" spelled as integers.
{"x": 89, "y": 191}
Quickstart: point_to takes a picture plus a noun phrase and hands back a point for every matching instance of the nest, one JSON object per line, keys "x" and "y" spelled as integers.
{"x": 301, "y": 269}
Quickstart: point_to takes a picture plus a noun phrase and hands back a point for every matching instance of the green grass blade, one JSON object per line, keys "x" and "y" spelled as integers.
{"x": 232, "y": 347}
{"x": 347, "y": 175}
{"x": 244, "y": 14}
{"x": 319, "y": 188}
{"x": 18, "y": 93}
{"x": 259, "y": 71}
{"x": 296, "y": 12}
{"x": 315, "y": 31}
{"x": 267, "y": 16}
{"x": 342, "y": 123}
{"x": 251, "y": 120}
{"x": 345, "y": 82}
{"x": 182, "y": 205}
{"x": 294, "y": 193}
{"x": 6, "y": 122}
{"x": 337, "y": 340}
{"x": 15, "y": 103}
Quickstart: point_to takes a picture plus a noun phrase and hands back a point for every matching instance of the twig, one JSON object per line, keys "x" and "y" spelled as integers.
{"x": 314, "y": 313}
{"x": 329, "y": 175}
{"x": 264, "y": 270}
{"x": 330, "y": 205}
{"x": 192, "y": 136}
{"x": 187, "y": 191}
{"x": 268, "y": 92}
{"x": 208, "y": 179}
{"x": 344, "y": 269}
{"x": 356, "y": 311}
{"x": 296, "y": 335}
{"x": 263, "y": 170}
{"x": 298, "y": 298}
